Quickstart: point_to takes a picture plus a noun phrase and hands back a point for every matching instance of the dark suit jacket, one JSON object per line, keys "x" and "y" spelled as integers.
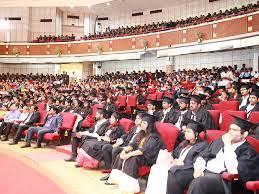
{"x": 35, "y": 118}
{"x": 55, "y": 123}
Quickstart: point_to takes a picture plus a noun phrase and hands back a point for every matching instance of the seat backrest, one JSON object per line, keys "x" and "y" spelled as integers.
{"x": 151, "y": 90}
{"x": 42, "y": 116}
{"x": 228, "y": 105}
{"x": 227, "y": 119}
{"x": 211, "y": 135}
{"x": 254, "y": 117}
{"x": 215, "y": 115}
{"x": 253, "y": 142}
{"x": 132, "y": 101}
{"x": 122, "y": 100}
{"x": 41, "y": 106}
{"x": 169, "y": 134}
{"x": 68, "y": 119}
{"x": 160, "y": 95}
{"x": 126, "y": 124}
{"x": 95, "y": 107}
{"x": 152, "y": 97}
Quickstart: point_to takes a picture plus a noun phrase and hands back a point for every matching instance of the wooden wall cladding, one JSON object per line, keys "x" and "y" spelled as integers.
{"x": 221, "y": 29}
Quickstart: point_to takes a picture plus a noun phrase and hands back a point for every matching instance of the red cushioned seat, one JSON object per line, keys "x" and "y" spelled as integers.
{"x": 227, "y": 119}
{"x": 254, "y": 117}
{"x": 169, "y": 134}
{"x": 215, "y": 115}
{"x": 126, "y": 124}
{"x": 88, "y": 121}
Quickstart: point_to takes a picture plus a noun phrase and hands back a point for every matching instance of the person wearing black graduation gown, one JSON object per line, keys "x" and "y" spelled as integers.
{"x": 93, "y": 147}
{"x": 180, "y": 167}
{"x": 231, "y": 153}
{"x": 253, "y": 104}
{"x": 151, "y": 107}
{"x": 205, "y": 104}
{"x": 98, "y": 129}
{"x": 168, "y": 114}
{"x": 244, "y": 99}
{"x": 183, "y": 103}
{"x": 142, "y": 151}
{"x": 110, "y": 105}
{"x": 110, "y": 152}
{"x": 199, "y": 114}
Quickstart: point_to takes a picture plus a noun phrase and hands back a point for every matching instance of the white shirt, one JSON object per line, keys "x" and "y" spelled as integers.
{"x": 184, "y": 153}
{"x": 165, "y": 111}
{"x": 226, "y": 160}
{"x": 248, "y": 109}
{"x": 244, "y": 101}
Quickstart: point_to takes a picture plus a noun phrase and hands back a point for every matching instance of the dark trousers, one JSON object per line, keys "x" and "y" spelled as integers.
{"x": 178, "y": 181}
{"x": 5, "y": 129}
{"x": 210, "y": 183}
{"x": 109, "y": 154}
{"x": 40, "y": 131}
{"x": 2, "y": 127}
{"x": 20, "y": 129}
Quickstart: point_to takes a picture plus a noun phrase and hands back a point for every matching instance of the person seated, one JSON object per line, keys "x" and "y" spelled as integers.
{"x": 110, "y": 105}
{"x": 34, "y": 117}
{"x": 10, "y": 117}
{"x": 91, "y": 149}
{"x": 142, "y": 151}
{"x": 197, "y": 113}
{"x": 183, "y": 103}
{"x": 231, "y": 153}
{"x": 175, "y": 172}
{"x": 23, "y": 116}
{"x": 98, "y": 129}
{"x": 110, "y": 152}
{"x": 244, "y": 99}
{"x": 224, "y": 96}
{"x": 168, "y": 114}
{"x": 52, "y": 123}
{"x": 151, "y": 107}
{"x": 253, "y": 105}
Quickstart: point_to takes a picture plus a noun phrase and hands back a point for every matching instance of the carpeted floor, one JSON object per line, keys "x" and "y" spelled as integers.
{"x": 19, "y": 178}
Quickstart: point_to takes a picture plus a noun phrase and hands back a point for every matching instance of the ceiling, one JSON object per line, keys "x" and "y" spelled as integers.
{"x": 49, "y": 3}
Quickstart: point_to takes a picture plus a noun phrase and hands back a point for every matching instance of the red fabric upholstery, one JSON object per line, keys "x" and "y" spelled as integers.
{"x": 215, "y": 115}
{"x": 152, "y": 97}
{"x": 151, "y": 90}
{"x": 254, "y": 117}
{"x": 132, "y": 101}
{"x": 252, "y": 185}
{"x": 88, "y": 121}
{"x": 95, "y": 107}
{"x": 121, "y": 101}
{"x": 169, "y": 134}
{"x": 160, "y": 95}
{"x": 227, "y": 119}
{"x": 228, "y": 105}
{"x": 41, "y": 106}
{"x": 127, "y": 124}
{"x": 253, "y": 142}
{"x": 211, "y": 135}
{"x": 68, "y": 120}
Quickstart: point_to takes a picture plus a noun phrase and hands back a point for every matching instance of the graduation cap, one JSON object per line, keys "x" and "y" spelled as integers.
{"x": 243, "y": 123}
{"x": 208, "y": 91}
{"x": 152, "y": 102}
{"x": 116, "y": 115}
{"x": 183, "y": 92}
{"x": 169, "y": 100}
{"x": 203, "y": 96}
{"x": 196, "y": 98}
{"x": 151, "y": 119}
{"x": 185, "y": 100}
{"x": 255, "y": 93}
{"x": 194, "y": 125}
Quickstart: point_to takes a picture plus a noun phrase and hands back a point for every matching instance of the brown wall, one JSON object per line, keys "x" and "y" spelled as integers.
{"x": 233, "y": 27}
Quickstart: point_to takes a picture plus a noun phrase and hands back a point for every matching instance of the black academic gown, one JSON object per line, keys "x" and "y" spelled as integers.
{"x": 179, "y": 177}
{"x": 94, "y": 147}
{"x": 150, "y": 151}
{"x": 170, "y": 117}
{"x": 256, "y": 108}
{"x": 128, "y": 136}
{"x": 248, "y": 170}
{"x": 202, "y": 116}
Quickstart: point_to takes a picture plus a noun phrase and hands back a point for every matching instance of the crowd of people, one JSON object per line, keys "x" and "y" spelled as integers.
{"x": 155, "y": 27}
{"x": 188, "y": 95}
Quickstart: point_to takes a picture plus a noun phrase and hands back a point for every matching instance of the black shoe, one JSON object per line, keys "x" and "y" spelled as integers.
{"x": 13, "y": 143}
{"x": 70, "y": 159}
{"x": 105, "y": 178}
{"x": 26, "y": 146}
{"x": 107, "y": 183}
{"x": 37, "y": 146}
{"x": 77, "y": 166}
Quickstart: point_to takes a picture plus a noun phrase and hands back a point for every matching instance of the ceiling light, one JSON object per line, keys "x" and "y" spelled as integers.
{"x": 108, "y": 3}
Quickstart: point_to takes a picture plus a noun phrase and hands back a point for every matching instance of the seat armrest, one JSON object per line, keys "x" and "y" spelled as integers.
{"x": 66, "y": 128}
{"x": 252, "y": 185}
{"x": 230, "y": 177}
